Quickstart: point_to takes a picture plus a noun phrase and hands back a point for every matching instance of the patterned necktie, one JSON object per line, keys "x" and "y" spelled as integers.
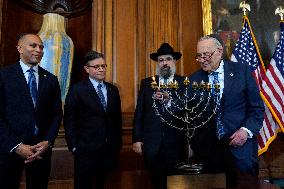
{"x": 215, "y": 80}
{"x": 32, "y": 85}
{"x": 220, "y": 128}
{"x": 101, "y": 96}
{"x": 33, "y": 91}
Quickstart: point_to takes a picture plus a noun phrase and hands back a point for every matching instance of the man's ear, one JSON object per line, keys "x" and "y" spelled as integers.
{"x": 86, "y": 68}
{"x": 19, "y": 48}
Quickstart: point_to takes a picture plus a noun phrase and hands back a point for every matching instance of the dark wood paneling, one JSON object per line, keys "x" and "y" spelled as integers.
{"x": 80, "y": 31}
{"x": 16, "y": 20}
{"x": 191, "y": 31}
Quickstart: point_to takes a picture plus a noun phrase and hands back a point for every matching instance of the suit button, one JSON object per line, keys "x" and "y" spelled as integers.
{"x": 106, "y": 139}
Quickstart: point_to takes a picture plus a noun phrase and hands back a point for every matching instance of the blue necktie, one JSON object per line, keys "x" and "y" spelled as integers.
{"x": 33, "y": 90}
{"x": 32, "y": 85}
{"x": 101, "y": 96}
{"x": 220, "y": 128}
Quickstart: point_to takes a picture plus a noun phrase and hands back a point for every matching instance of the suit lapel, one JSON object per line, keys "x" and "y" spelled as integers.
{"x": 21, "y": 82}
{"x": 229, "y": 75}
{"x": 109, "y": 97}
{"x": 41, "y": 82}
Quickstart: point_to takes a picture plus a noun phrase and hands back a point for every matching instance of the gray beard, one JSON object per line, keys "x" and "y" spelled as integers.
{"x": 166, "y": 72}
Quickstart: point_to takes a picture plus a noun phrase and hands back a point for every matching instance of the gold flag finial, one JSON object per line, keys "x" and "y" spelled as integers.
{"x": 280, "y": 12}
{"x": 245, "y": 7}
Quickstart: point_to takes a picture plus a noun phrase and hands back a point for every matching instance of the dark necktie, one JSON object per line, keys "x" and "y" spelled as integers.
{"x": 32, "y": 85}
{"x": 33, "y": 91}
{"x": 220, "y": 128}
{"x": 101, "y": 96}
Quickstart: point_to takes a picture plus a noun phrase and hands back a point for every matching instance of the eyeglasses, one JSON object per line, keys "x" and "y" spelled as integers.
{"x": 167, "y": 59}
{"x": 97, "y": 67}
{"x": 204, "y": 56}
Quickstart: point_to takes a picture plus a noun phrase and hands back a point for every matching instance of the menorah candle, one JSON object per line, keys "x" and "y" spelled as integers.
{"x": 208, "y": 86}
{"x": 202, "y": 85}
{"x": 153, "y": 83}
{"x": 194, "y": 85}
{"x": 186, "y": 81}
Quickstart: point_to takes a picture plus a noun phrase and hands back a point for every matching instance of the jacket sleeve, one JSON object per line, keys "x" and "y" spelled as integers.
{"x": 138, "y": 115}
{"x": 8, "y": 139}
{"x": 69, "y": 118}
{"x": 255, "y": 107}
{"x": 56, "y": 113}
{"x": 118, "y": 117}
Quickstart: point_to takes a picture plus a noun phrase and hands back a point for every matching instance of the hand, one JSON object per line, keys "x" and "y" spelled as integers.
{"x": 39, "y": 149}
{"x": 137, "y": 147}
{"x": 24, "y": 151}
{"x": 161, "y": 95}
{"x": 239, "y": 138}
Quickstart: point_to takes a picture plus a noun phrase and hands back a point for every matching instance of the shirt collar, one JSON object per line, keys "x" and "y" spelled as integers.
{"x": 170, "y": 79}
{"x": 96, "y": 83}
{"x": 25, "y": 67}
{"x": 220, "y": 69}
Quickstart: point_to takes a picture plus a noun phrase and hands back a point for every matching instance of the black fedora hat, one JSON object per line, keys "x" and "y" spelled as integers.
{"x": 165, "y": 49}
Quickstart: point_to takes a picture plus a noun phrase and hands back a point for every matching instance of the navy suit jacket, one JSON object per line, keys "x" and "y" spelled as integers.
{"x": 87, "y": 126}
{"x": 241, "y": 105}
{"x": 18, "y": 116}
{"x": 148, "y": 127}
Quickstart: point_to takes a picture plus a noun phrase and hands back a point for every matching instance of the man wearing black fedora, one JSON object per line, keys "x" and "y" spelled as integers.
{"x": 161, "y": 146}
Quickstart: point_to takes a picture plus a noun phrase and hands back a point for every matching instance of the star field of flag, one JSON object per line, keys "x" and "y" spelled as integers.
{"x": 245, "y": 51}
{"x": 279, "y": 52}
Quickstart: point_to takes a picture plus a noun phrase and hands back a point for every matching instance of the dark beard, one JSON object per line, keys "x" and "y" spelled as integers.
{"x": 165, "y": 72}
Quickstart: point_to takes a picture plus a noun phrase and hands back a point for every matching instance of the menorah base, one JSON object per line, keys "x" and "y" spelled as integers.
{"x": 189, "y": 168}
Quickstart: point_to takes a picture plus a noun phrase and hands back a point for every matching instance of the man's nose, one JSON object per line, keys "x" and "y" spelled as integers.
{"x": 165, "y": 62}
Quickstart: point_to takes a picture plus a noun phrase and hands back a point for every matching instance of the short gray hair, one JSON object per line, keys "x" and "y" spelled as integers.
{"x": 216, "y": 41}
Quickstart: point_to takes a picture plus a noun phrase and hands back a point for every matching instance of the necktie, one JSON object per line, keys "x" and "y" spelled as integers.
{"x": 33, "y": 91}
{"x": 220, "y": 128}
{"x": 101, "y": 96}
{"x": 32, "y": 85}
{"x": 215, "y": 80}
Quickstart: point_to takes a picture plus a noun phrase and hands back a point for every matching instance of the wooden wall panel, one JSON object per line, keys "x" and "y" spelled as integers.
{"x": 16, "y": 20}
{"x": 191, "y": 14}
{"x": 80, "y": 31}
{"x": 125, "y": 48}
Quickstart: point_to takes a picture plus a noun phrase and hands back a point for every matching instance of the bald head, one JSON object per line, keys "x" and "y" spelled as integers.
{"x": 30, "y": 48}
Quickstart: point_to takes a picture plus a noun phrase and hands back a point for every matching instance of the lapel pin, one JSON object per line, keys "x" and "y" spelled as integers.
{"x": 44, "y": 75}
{"x": 231, "y": 74}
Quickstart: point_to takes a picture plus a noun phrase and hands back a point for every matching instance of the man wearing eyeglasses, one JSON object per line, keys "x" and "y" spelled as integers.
{"x": 93, "y": 124}
{"x": 229, "y": 140}
{"x": 161, "y": 146}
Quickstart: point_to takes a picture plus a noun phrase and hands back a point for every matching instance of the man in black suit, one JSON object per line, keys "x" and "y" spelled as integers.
{"x": 30, "y": 116}
{"x": 161, "y": 145}
{"x": 93, "y": 124}
{"x": 231, "y": 137}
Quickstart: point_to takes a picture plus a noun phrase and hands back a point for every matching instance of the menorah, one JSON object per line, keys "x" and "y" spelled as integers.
{"x": 187, "y": 108}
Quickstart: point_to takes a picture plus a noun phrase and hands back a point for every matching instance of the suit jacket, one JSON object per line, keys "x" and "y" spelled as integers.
{"x": 18, "y": 116}
{"x": 148, "y": 127}
{"x": 241, "y": 106}
{"x": 87, "y": 126}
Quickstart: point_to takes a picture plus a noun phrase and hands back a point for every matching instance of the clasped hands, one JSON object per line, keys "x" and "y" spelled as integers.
{"x": 31, "y": 153}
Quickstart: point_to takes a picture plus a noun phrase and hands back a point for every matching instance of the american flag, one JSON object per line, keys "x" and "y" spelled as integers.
{"x": 246, "y": 51}
{"x": 273, "y": 85}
